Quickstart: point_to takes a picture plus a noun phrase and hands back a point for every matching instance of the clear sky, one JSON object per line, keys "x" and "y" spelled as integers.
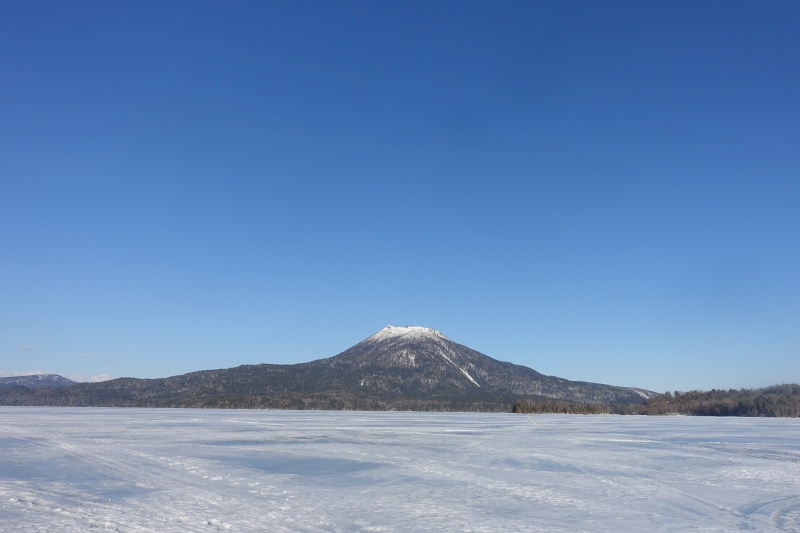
{"x": 603, "y": 191}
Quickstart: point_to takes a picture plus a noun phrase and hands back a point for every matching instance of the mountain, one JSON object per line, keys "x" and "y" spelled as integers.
{"x": 396, "y": 368}
{"x": 37, "y": 380}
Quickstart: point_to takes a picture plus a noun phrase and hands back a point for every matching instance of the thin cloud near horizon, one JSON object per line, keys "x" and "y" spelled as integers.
{"x": 25, "y": 348}
{"x": 88, "y": 356}
{"x": 77, "y": 376}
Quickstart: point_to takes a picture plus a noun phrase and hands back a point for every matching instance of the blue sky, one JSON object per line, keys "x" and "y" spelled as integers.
{"x": 601, "y": 191}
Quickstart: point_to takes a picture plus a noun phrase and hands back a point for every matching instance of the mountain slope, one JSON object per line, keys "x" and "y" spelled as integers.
{"x": 416, "y": 361}
{"x": 36, "y": 380}
{"x": 397, "y": 366}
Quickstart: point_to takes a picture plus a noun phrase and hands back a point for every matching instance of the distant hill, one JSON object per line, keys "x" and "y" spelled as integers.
{"x": 778, "y": 400}
{"x": 775, "y": 401}
{"x": 36, "y": 380}
{"x": 410, "y": 368}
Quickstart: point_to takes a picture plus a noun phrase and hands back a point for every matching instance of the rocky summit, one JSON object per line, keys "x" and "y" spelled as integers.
{"x": 409, "y": 367}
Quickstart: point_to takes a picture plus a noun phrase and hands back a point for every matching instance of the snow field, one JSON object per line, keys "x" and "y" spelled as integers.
{"x": 171, "y": 470}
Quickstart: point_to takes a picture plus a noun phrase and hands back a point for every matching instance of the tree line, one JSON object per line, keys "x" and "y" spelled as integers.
{"x": 775, "y": 401}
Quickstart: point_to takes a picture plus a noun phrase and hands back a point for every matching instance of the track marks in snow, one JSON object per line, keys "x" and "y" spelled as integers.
{"x": 180, "y": 471}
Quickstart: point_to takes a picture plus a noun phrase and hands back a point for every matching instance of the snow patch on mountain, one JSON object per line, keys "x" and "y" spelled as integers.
{"x": 400, "y": 331}
{"x": 458, "y": 367}
{"x": 646, "y": 394}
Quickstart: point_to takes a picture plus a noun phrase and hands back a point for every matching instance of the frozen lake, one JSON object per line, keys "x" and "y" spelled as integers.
{"x": 66, "y": 469}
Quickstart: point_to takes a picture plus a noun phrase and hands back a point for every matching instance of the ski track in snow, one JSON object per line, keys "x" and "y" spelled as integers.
{"x": 173, "y": 470}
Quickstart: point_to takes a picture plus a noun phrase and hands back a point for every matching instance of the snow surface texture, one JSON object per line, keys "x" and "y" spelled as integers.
{"x": 73, "y": 469}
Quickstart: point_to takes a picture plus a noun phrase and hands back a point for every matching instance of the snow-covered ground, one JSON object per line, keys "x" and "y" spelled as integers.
{"x": 195, "y": 470}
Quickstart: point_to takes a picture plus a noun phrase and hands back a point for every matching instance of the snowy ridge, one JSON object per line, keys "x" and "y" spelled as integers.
{"x": 35, "y": 380}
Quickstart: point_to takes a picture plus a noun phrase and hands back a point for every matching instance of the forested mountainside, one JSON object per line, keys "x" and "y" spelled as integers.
{"x": 398, "y": 367}
{"x": 775, "y": 401}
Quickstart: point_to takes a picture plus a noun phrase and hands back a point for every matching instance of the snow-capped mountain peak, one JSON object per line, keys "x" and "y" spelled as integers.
{"x": 407, "y": 367}
{"x": 400, "y": 331}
